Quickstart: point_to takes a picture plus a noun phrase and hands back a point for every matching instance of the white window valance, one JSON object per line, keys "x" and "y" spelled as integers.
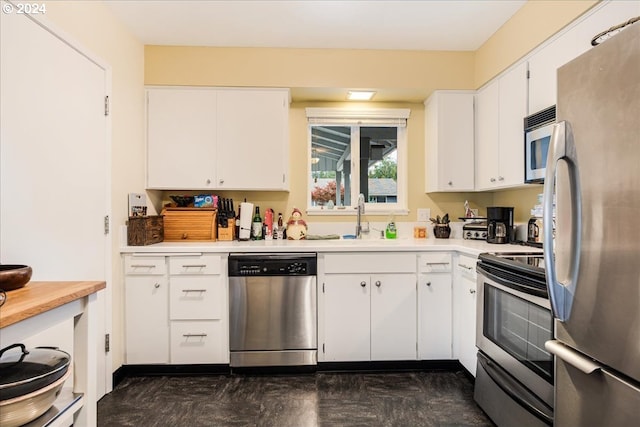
{"x": 367, "y": 117}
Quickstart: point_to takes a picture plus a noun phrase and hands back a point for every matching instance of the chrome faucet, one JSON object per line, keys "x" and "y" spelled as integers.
{"x": 360, "y": 211}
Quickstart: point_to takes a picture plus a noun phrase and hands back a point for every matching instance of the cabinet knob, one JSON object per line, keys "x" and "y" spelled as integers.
{"x": 363, "y": 283}
{"x": 492, "y": 180}
{"x": 208, "y": 181}
{"x": 501, "y": 178}
{"x": 157, "y": 285}
{"x": 378, "y": 283}
{"x": 184, "y": 236}
{"x": 428, "y": 283}
{"x": 472, "y": 291}
{"x": 450, "y": 183}
{"x": 221, "y": 181}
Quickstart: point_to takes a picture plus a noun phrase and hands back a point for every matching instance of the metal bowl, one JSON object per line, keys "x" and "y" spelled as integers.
{"x": 14, "y": 276}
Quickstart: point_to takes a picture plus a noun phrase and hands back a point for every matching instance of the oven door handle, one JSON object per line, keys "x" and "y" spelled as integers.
{"x": 567, "y": 244}
{"x": 529, "y": 290}
{"x": 514, "y": 390}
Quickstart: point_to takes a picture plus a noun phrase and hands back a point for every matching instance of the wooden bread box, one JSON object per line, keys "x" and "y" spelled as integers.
{"x": 145, "y": 230}
{"x": 189, "y": 224}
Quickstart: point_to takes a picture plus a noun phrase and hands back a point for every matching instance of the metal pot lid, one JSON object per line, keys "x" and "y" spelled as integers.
{"x": 23, "y": 366}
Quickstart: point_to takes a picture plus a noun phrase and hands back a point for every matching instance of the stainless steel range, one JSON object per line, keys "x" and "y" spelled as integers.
{"x": 514, "y": 382}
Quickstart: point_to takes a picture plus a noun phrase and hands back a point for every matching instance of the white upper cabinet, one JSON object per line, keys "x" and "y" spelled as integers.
{"x": 449, "y": 136}
{"x": 253, "y": 139}
{"x": 500, "y": 109}
{"x": 181, "y": 138}
{"x": 544, "y": 63}
{"x": 204, "y": 138}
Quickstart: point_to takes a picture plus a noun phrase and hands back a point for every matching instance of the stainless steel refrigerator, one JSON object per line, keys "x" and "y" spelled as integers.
{"x": 593, "y": 273}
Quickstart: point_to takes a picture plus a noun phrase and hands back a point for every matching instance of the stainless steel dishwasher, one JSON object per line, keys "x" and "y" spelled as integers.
{"x": 272, "y": 309}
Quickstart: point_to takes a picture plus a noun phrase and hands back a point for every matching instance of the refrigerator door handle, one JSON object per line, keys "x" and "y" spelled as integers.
{"x": 562, "y": 148}
{"x": 572, "y": 357}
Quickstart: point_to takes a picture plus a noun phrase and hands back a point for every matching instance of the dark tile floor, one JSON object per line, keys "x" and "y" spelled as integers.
{"x": 320, "y": 399}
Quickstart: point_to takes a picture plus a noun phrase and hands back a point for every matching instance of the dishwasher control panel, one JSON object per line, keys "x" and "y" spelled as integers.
{"x": 272, "y": 265}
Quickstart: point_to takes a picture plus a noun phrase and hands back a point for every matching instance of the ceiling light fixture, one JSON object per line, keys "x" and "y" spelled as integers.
{"x": 360, "y": 95}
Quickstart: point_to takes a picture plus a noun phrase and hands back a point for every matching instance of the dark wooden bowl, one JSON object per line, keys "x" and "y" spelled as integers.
{"x": 14, "y": 276}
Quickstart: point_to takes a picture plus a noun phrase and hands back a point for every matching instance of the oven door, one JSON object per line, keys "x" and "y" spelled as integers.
{"x": 535, "y": 155}
{"x": 512, "y": 327}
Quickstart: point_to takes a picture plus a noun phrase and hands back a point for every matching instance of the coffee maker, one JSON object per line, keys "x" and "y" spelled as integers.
{"x": 499, "y": 225}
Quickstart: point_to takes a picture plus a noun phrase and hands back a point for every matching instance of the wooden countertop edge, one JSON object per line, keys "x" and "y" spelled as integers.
{"x": 38, "y": 297}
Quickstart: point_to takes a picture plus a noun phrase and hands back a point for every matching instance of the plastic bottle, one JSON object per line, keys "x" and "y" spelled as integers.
{"x": 391, "y": 231}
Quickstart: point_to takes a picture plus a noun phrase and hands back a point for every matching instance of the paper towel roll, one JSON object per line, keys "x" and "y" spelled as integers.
{"x": 246, "y": 214}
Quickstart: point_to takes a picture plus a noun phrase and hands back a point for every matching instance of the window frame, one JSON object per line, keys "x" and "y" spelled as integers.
{"x": 357, "y": 118}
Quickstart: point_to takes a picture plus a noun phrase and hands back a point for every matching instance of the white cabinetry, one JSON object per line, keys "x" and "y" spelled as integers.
{"x": 146, "y": 310}
{"x": 464, "y": 312}
{"x": 569, "y": 44}
{"x": 253, "y": 139}
{"x": 197, "y": 310}
{"x": 368, "y": 307}
{"x": 434, "y": 306}
{"x": 449, "y": 136}
{"x": 181, "y": 138}
{"x": 175, "y": 309}
{"x": 205, "y": 138}
{"x": 500, "y": 109}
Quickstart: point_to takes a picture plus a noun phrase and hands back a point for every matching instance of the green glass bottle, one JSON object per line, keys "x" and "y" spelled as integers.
{"x": 256, "y": 225}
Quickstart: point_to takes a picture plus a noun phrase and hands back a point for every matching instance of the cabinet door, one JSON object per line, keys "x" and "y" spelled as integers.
{"x": 434, "y": 316}
{"x": 449, "y": 141}
{"x": 513, "y": 109}
{"x": 464, "y": 313}
{"x": 347, "y": 313}
{"x": 181, "y": 138}
{"x": 146, "y": 319}
{"x": 393, "y": 317}
{"x": 487, "y": 136}
{"x": 253, "y": 139}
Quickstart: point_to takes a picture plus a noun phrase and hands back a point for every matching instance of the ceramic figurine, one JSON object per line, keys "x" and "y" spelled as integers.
{"x": 296, "y": 226}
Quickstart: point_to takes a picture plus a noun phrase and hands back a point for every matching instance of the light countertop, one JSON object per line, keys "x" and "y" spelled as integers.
{"x": 470, "y": 247}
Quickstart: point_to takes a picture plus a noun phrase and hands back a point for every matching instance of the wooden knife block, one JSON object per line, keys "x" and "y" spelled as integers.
{"x": 190, "y": 224}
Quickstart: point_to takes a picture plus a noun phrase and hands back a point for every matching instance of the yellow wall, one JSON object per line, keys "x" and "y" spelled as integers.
{"x": 534, "y": 23}
{"x": 93, "y": 26}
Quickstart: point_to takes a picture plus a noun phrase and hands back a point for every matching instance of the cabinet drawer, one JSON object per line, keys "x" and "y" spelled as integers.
{"x": 146, "y": 265}
{"x": 198, "y": 341}
{"x": 196, "y": 297}
{"x": 467, "y": 266}
{"x": 195, "y": 265}
{"x": 435, "y": 262}
{"x": 370, "y": 263}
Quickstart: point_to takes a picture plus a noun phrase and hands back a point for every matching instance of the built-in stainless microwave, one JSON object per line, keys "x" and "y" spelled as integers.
{"x": 538, "y": 128}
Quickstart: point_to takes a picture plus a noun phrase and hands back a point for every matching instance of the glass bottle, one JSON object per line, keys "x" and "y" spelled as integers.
{"x": 256, "y": 225}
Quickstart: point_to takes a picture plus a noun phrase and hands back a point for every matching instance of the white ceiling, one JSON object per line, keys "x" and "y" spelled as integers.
{"x": 355, "y": 24}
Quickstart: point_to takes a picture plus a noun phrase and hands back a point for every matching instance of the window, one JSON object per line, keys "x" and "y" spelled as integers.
{"x": 353, "y": 152}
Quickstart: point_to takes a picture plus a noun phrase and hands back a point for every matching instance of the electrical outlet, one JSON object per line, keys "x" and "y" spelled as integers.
{"x": 424, "y": 214}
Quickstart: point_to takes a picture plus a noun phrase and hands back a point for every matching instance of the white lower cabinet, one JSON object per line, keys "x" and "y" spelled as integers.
{"x": 176, "y": 309}
{"x": 435, "y": 306}
{"x": 197, "y": 309}
{"x": 368, "y": 313}
{"x": 464, "y": 312}
{"x": 146, "y": 310}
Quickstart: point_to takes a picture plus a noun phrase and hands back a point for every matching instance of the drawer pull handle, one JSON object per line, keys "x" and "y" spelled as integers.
{"x": 142, "y": 266}
{"x": 438, "y": 263}
{"x": 194, "y": 335}
{"x": 378, "y": 283}
{"x": 465, "y": 266}
{"x": 194, "y": 266}
{"x": 194, "y": 290}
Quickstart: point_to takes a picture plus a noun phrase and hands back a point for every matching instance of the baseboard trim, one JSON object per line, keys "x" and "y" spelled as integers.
{"x": 125, "y": 371}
